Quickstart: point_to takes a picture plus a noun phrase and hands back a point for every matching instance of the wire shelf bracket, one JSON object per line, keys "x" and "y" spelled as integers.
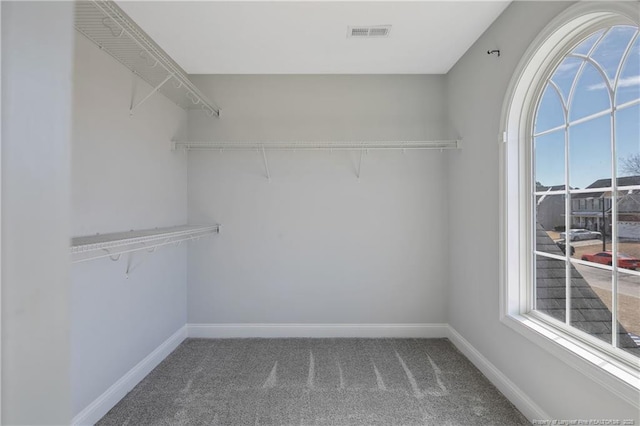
{"x": 113, "y": 31}
{"x": 266, "y": 163}
{"x": 362, "y": 151}
{"x": 151, "y": 93}
{"x": 114, "y": 245}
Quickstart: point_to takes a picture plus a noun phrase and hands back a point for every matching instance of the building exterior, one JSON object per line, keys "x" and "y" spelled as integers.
{"x": 550, "y": 208}
{"x": 593, "y": 210}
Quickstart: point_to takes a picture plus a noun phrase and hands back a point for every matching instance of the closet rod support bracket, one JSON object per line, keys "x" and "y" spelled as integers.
{"x": 266, "y": 164}
{"x": 362, "y": 151}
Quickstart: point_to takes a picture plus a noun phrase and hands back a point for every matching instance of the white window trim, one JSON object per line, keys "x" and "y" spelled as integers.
{"x": 516, "y": 292}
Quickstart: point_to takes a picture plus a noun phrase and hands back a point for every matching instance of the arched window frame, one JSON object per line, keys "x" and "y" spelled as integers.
{"x": 604, "y": 363}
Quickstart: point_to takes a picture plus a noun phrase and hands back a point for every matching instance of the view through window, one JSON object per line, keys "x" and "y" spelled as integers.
{"x": 586, "y": 174}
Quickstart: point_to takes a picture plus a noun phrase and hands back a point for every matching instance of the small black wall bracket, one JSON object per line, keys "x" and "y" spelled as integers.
{"x": 491, "y": 52}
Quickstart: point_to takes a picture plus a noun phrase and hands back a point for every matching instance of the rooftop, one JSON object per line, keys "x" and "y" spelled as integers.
{"x": 588, "y": 312}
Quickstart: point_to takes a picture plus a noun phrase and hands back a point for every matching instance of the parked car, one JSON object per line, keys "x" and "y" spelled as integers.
{"x": 563, "y": 246}
{"x": 605, "y": 257}
{"x": 581, "y": 234}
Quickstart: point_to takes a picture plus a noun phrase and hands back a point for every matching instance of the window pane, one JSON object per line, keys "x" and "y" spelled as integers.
{"x": 591, "y": 94}
{"x": 588, "y": 311}
{"x": 549, "y": 159}
{"x": 588, "y": 227}
{"x": 628, "y": 221}
{"x": 590, "y": 152}
{"x": 550, "y": 285}
{"x": 628, "y": 141}
{"x": 590, "y": 288}
{"x": 550, "y": 224}
{"x": 550, "y": 112}
{"x": 629, "y": 312}
{"x": 608, "y": 53}
{"x": 565, "y": 74}
{"x": 584, "y": 47}
{"x": 629, "y": 83}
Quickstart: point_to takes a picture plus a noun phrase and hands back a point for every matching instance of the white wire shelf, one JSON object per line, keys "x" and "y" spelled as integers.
{"x": 105, "y": 24}
{"x": 310, "y": 146}
{"x": 115, "y": 244}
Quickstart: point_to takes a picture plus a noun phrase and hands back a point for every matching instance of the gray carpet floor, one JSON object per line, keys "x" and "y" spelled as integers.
{"x": 315, "y": 382}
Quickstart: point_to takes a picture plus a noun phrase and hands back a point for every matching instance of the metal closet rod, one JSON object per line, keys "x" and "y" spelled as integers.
{"x": 324, "y": 145}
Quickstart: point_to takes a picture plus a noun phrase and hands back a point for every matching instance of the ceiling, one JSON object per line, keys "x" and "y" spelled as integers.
{"x": 310, "y": 37}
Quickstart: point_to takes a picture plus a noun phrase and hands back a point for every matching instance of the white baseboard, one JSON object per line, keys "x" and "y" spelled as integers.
{"x": 526, "y": 405}
{"x": 105, "y": 402}
{"x": 219, "y": 331}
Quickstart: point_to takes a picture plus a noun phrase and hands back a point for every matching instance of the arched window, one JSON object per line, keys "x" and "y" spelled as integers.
{"x": 585, "y": 149}
{"x": 571, "y": 180}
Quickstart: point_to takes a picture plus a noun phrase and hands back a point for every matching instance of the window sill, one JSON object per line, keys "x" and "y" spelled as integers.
{"x": 590, "y": 362}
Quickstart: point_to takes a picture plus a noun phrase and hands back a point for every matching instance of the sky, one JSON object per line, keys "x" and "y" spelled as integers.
{"x": 590, "y": 142}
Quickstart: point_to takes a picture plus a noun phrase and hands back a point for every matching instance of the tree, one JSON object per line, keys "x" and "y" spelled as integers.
{"x": 630, "y": 165}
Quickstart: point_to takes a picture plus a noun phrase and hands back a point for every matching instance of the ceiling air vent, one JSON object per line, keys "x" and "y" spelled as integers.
{"x": 369, "y": 32}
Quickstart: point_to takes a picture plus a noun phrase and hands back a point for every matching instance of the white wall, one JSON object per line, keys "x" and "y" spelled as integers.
{"x": 315, "y": 245}
{"x": 477, "y": 86}
{"x": 37, "y": 66}
{"x": 124, "y": 176}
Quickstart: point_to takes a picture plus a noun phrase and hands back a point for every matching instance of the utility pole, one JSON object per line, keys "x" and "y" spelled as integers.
{"x": 604, "y": 225}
